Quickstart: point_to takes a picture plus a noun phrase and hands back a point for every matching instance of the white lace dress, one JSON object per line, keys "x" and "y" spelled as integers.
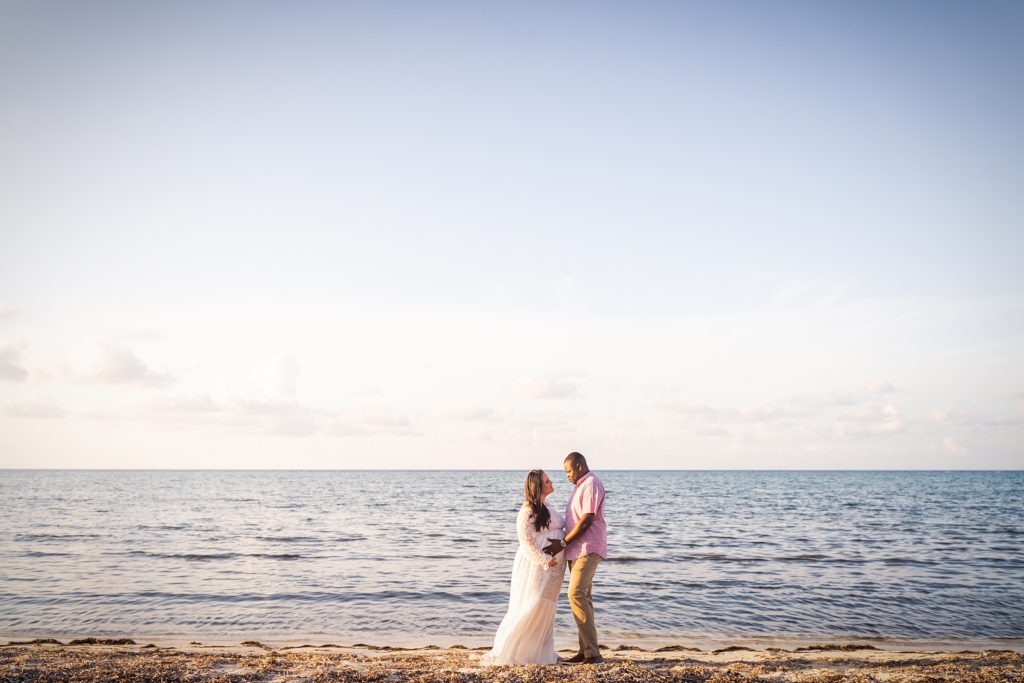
{"x": 527, "y": 633}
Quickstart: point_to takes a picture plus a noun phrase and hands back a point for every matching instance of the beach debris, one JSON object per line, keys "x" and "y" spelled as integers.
{"x": 255, "y": 643}
{"x": 102, "y": 641}
{"x": 308, "y": 645}
{"x": 827, "y": 647}
{"x": 40, "y": 662}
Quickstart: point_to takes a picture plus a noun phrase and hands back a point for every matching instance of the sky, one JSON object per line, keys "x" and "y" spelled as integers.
{"x": 721, "y": 235}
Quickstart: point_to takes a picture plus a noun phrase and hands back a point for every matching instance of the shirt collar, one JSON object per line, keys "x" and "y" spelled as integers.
{"x": 580, "y": 480}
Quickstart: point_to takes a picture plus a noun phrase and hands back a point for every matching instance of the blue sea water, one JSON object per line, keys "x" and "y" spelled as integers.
{"x": 425, "y": 557}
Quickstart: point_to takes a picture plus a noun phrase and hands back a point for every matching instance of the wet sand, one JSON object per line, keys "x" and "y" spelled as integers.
{"x": 124, "y": 660}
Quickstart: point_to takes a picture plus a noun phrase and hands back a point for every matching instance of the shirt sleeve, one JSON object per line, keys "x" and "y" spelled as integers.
{"x": 590, "y": 497}
{"x": 528, "y": 537}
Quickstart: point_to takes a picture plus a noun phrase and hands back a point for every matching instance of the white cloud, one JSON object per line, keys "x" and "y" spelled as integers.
{"x": 766, "y": 411}
{"x": 268, "y": 387}
{"x": 266, "y": 402}
{"x": 1011, "y": 420}
{"x": 799, "y": 420}
{"x": 553, "y": 422}
{"x": 276, "y": 376}
{"x": 298, "y": 425}
{"x": 509, "y": 427}
{"x": 198, "y": 403}
{"x": 263, "y": 403}
{"x": 10, "y": 366}
{"x": 364, "y": 390}
{"x": 825, "y": 401}
{"x": 368, "y": 424}
{"x": 35, "y": 408}
{"x": 690, "y": 411}
{"x": 881, "y": 386}
{"x": 941, "y": 415}
{"x": 143, "y": 334}
{"x": 871, "y": 420}
{"x": 952, "y": 445}
{"x": 119, "y": 365}
{"x": 751, "y": 413}
{"x": 266, "y": 407}
{"x": 546, "y": 387}
{"x": 951, "y": 415}
{"x": 347, "y": 428}
{"x": 471, "y": 414}
{"x": 386, "y": 422}
{"x": 234, "y": 413}
{"x": 892, "y": 422}
{"x": 8, "y": 312}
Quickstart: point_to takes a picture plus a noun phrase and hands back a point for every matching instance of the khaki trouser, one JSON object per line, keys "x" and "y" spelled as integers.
{"x": 581, "y": 574}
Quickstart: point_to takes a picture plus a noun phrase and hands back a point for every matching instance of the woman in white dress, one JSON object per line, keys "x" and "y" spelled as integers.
{"x": 527, "y": 633}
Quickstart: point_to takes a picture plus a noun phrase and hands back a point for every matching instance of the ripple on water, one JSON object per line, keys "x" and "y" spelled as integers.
{"x": 708, "y": 553}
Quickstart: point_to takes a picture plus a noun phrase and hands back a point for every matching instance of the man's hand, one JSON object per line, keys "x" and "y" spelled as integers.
{"x": 553, "y": 548}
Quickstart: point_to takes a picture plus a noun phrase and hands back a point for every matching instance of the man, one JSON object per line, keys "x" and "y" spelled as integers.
{"x": 585, "y": 546}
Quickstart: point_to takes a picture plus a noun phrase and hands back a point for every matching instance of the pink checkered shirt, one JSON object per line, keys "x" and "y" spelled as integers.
{"x": 588, "y": 496}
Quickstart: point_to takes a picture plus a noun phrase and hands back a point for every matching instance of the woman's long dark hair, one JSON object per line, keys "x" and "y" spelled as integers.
{"x": 533, "y": 489}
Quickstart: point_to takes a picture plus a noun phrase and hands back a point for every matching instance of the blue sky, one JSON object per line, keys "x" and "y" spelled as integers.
{"x": 672, "y": 235}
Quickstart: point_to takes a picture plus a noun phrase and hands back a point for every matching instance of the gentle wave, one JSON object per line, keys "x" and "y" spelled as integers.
{"x": 394, "y": 554}
{"x": 167, "y": 597}
{"x": 208, "y": 557}
{"x": 310, "y": 539}
{"x": 56, "y": 537}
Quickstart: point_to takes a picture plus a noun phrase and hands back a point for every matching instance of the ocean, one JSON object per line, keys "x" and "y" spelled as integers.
{"x": 424, "y": 557}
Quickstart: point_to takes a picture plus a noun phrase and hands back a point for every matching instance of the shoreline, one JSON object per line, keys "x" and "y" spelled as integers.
{"x": 611, "y": 643}
{"x": 97, "y": 659}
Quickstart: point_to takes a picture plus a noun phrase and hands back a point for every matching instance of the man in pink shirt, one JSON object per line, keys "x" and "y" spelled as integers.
{"x": 585, "y": 545}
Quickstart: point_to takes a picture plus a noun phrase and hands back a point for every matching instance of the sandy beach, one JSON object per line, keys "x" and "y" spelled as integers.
{"x": 125, "y": 660}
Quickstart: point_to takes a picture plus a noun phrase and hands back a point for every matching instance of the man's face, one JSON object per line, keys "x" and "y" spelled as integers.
{"x": 570, "y": 472}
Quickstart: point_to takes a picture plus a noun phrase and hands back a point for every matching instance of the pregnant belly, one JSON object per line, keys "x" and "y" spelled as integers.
{"x": 553, "y": 534}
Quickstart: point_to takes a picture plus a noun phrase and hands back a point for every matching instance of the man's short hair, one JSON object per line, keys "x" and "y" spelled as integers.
{"x": 576, "y": 459}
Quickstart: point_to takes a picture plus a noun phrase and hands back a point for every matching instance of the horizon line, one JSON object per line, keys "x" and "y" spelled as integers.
{"x": 496, "y": 469}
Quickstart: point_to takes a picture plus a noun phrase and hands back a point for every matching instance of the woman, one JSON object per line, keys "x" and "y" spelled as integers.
{"x": 527, "y": 633}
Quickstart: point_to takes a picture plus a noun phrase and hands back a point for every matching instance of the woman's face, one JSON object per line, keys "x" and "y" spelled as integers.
{"x": 548, "y": 486}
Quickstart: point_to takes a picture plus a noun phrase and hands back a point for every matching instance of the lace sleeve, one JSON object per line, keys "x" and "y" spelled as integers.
{"x": 528, "y": 537}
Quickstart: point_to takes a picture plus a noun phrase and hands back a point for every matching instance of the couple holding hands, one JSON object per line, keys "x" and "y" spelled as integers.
{"x": 547, "y": 542}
